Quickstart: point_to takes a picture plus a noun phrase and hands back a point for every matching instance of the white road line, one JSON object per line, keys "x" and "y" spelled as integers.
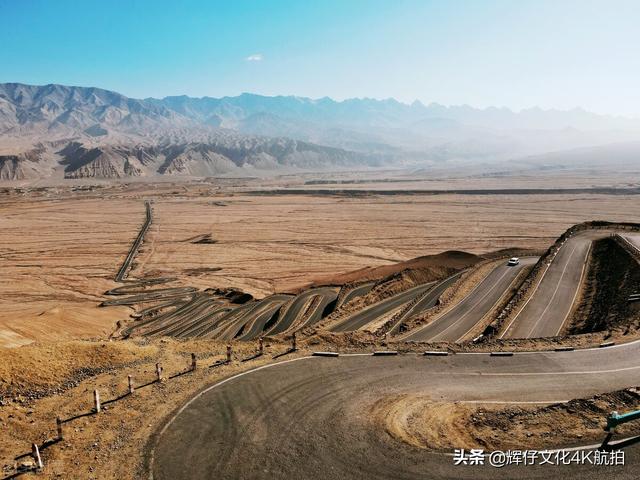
{"x": 427, "y": 286}
{"x": 448, "y": 310}
{"x": 208, "y": 389}
{"x": 555, "y": 292}
{"x": 573, "y": 301}
{"x": 513, "y": 402}
{"x": 533, "y": 374}
{"x": 528, "y": 300}
{"x": 495, "y": 285}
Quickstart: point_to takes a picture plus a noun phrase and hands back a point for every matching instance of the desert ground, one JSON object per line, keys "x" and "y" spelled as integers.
{"x": 61, "y": 247}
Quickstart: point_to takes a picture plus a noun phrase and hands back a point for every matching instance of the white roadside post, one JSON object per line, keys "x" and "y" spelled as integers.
{"x": 131, "y": 387}
{"x": 35, "y": 451}
{"x": 96, "y": 400}
{"x": 158, "y": 373}
{"x": 260, "y": 345}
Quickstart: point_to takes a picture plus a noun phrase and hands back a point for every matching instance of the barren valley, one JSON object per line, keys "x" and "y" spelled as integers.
{"x": 61, "y": 254}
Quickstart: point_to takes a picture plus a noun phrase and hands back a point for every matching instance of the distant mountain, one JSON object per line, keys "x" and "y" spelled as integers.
{"x": 389, "y": 113}
{"x": 63, "y": 110}
{"x": 411, "y": 131}
{"x": 78, "y": 132}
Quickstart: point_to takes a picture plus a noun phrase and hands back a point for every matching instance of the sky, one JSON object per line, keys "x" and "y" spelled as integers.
{"x": 519, "y": 54}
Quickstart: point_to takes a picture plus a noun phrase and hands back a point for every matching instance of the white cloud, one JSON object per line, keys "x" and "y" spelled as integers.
{"x": 256, "y": 57}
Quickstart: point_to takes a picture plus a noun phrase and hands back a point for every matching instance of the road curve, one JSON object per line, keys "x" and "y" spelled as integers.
{"x": 310, "y": 418}
{"x": 356, "y": 292}
{"x": 288, "y": 317}
{"x": 454, "y": 324}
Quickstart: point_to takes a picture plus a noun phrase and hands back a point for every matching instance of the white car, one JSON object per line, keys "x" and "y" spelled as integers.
{"x": 513, "y": 261}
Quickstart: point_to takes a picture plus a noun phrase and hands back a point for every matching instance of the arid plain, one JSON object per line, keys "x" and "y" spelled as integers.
{"x": 61, "y": 246}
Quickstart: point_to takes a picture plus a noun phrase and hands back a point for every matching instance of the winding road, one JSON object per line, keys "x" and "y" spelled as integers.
{"x": 311, "y": 418}
{"x": 379, "y": 309}
{"x": 551, "y": 301}
{"x": 456, "y": 323}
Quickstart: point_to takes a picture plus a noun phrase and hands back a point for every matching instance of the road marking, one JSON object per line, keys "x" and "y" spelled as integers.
{"x": 496, "y": 284}
{"x": 426, "y": 286}
{"x": 555, "y": 292}
{"x": 512, "y": 402}
{"x": 528, "y": 300}
{"x": 208, "y": 389}
{"x": 533, "y": 374}
{"x": 410, "y": 334}
{"x": 581, "y": 281}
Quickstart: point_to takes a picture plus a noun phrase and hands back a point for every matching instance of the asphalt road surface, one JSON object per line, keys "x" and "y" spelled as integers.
{"x": 255, "y": 326}
{"x": 255, "y": 319}
{"x": 310, "y": 418}
{"x": 377, "y": 310}
{"x": 546, "y": 311}
{"x": 428, "y": 300}
{"x": 356, "y": 292}
{"x": 634, "y": 239}
{"x": 454, "y": 324}
{"x": 297, "y": 306}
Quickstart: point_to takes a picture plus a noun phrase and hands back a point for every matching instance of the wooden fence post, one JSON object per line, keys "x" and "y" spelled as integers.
{"x": 59, "y": 428}
{"x": 260, "y": 345}
{"x": 193, "y": 361}
{"x": 96, "y": 400}
{"x": 293, "y": 342}
{"x": 228, "y": 353}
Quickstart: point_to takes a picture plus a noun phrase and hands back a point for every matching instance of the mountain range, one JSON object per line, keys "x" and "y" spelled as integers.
{"x": 79, "y": 132}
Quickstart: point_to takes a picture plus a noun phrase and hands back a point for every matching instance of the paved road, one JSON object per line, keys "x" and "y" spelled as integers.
{"x": 253, "y": 321}
{"x": 258, "y": 318}
{"x": 633, "y": 238}
{"x": 297, "y": 307}
{"x": 454, "y": 324}
{"x": 316, "y": 310}
{"x": 377, "y": 310}
{"x": 428, "y": 300}
{"x": 123, "y": 272}
{"x": 547, "y": 309}
{"x": 356, "y": 292}
{"x": 310, "y": 418}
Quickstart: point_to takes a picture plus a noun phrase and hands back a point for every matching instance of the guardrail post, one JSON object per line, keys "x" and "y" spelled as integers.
{"x": 228, "y": 353}
{"x": 96, "y": 400}
{"x": 260, "y": 345}
{"x": 59, "y": 428}
{"x": 158, "y": 372}
{"x": 35, "y": 451}
{"x": 293, "y": 342}
{"x": 193, "y": 361}
{"x": 130, "y": 381}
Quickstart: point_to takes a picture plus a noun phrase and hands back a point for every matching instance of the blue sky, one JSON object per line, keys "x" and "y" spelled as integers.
{"x": 548, "y": 53}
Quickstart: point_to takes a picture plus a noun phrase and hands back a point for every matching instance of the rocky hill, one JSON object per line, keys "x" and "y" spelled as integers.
{"x": 76, "y": 132}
